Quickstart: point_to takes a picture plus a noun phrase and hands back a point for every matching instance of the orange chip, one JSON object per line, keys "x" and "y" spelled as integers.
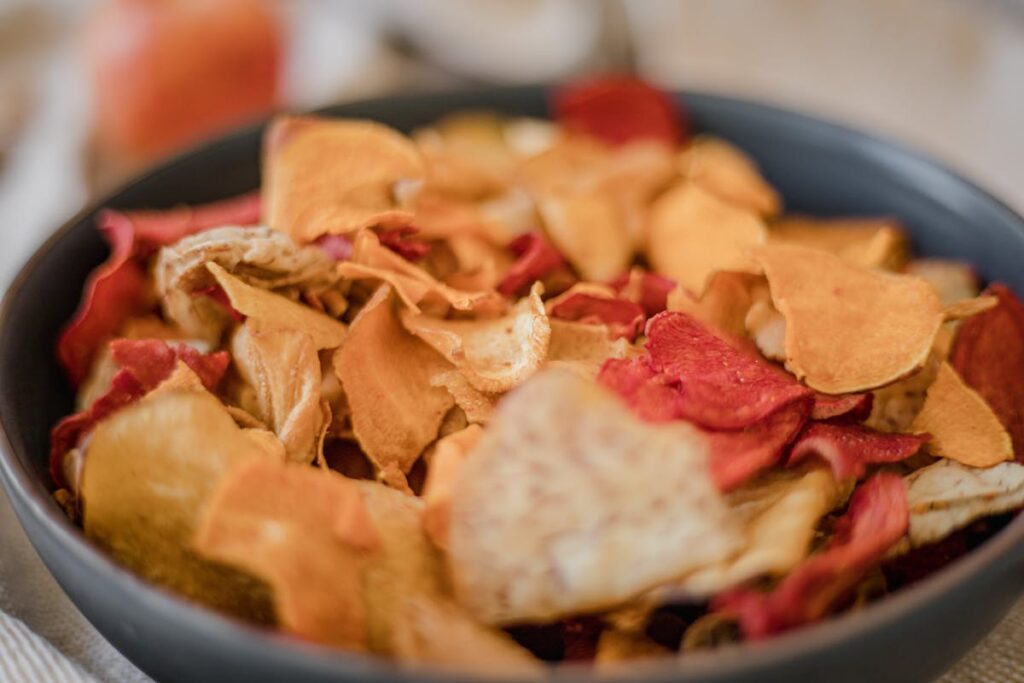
{"x": 149, "y": 471}
{"x": 723, "y": 305}
{"x": 583, "y": 348}
{"x": 962, "y": 425}
{"x": 588, "y": 232}
{"x": 385, "y": 372}
{"x": 437, "y": 490}
{"x": 692, "y": 233}
{"x": 849, "y": 329}
{"x": 304, "y": 531}
{"x": 864, "y": 242}
{"x": 326, "y": 176}
{"x": 494, "y": 354}
{"x": 278, "y": 311}
{"x": 477, "y": 405}
{"x": 283, "y": 368}
{"x": 723, "y": 169}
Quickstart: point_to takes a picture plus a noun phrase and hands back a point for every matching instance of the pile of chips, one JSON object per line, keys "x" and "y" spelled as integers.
{"x": 510, "y": 390}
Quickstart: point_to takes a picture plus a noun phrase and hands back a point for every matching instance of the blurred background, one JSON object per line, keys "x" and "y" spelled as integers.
{"x": 92, "y": 91}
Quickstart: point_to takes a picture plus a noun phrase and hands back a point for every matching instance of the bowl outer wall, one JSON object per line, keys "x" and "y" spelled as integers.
{"x": 820, "y": 168}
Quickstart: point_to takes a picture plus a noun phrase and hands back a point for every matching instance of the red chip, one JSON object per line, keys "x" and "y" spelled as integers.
{"x": 535, "y": 259}
{"x": 145, "y": 363}
{"x": 850, "y": 448}
{"x": 849, "y": 407}
{"x": 400, "y": 241}
{"x": 338, "y": 247}
{"x": 648, "y": 395}
{"x": 217, "y": 293}
{"x": 650, "y": 290}
{"x": 737, "y": 456}
{"x": 877, "y": 518}
{"x": 619, "y": 109}
{"x": 988, "y": 354}
{"x": 154, "y": 229}
{"x": 623, "y": 318}
{"x": 721, "y": 386}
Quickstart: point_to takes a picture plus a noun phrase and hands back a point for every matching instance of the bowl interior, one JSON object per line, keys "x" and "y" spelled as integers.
{"x": 819, "y": 168}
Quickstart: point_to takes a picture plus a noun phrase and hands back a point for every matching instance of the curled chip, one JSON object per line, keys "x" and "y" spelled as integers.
{"x": 849, "y": 329}
{"x": 477, "y": 405}
{"x": 148, "y": 475}
{"x": 447, "y": 458}
{"x": 723, "y": 305}
{"x": 650, "y": 290}
{"x": 849, "y": 448}
{"x": 738, "y": 455}
{"x": 584, "y": 348}
{"x": 331, "y": 176}
{"x": 862, "y": 242}
{"x": 535, "y": 260}
{"x": 283, "y": 368}
{"x": 493, "y": 354}
{"x": 274, "y": 309}
{"x": 586, "y": 229}
{"x": 307, "y": 534}
{"x": 597, "y": 305}
{"x": 386, "y": 373}
{"x": 726, "y": 171}
{"x": 962, "y": 425}
{"x": 545, "y": 517}
{"x": 692, "y": 233}
{"x": 949, "y": 495}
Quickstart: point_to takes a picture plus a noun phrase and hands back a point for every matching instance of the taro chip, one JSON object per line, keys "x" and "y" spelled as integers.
{"x": 724, "y": 303}
{"x": 445, "y": 463}
{"x": 307, "y": 534}
{"x": 850, "y": 449}
{"x": 334, "y": 177}
{"x": 962, "y": 425}
{"x": 847, "y": 328}
{"x": 494, "y": 354}
{"x": 149, "y": 472}
{"x": 728, "y": 172}
{"x": 596, "y": 305}
{"x": 587, "y": 231}
{"x": 584, "y": 348}
{"x": 861, "y": 242}
{"x": 693, "y": 233}
{"x": 988, "y": 354}
{"x": 386, "y": 374}
{"x": 619, "y": 109}
{"x": 563, "y": 458}
{"x": 274, "y": 309}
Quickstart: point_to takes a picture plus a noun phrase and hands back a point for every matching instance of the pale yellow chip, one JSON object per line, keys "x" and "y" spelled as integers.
{"x": 728, "y": 172}
{"x": 546, "y": 520}
{"x": 953, "y": 280}
{"x": 494, "y": 354}
{"x": 847, "y": 328}
{"x": 477, "y": 405}
{"x": 276, "y": 310}
{"x": 962, "y": 425}
{"x": 447, "y": 458}
{"x": 949, "y": 495}
{"x": 692, "y": 233}
{"x": 896, "y": 405}
{"x": 385, "y": 372}
{"x": 335, "y": 176}
{"x": 307, "y": 533}
{"x": 863, "y": 242}
{"x": 724, "y": 303}
{"x": 584, "y": 348}
{"x": 588, "y": 232}
{"x": 149, "y": 472}
{"x": 283, "y": 368}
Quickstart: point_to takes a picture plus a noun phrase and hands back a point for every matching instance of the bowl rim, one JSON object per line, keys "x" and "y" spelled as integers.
{"x": 29, "y": 495}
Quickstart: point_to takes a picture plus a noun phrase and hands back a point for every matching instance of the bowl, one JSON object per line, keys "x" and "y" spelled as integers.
{"x": 819, "y": 168}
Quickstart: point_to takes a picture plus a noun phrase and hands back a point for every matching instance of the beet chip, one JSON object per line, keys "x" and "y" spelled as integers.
{"x": 849, "y": 407}
{"x": 849, "y": 449}
{"x": 535, "y": 259}
{"x": 117, "y": 289}
{"x": 722, "y": 387}
{"x": 988, "y": 354}
{"x": 402, "y": 242}
{"x": 624, "y": 318}
{"x": 877, "y": 518}
{"x": 650, "y": 290}
{"x": 619, "y": 109}
{"x": 737, "y": 456}
{"x": 648, "y": 395}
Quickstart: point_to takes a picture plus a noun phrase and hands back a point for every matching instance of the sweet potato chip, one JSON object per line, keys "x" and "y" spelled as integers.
{"x": 650, "y": 290}
{"x": 724, "y": 304}
{"x": 550, "y": 491}
{"x": 307, "y": 533}
{"x": 692, "y": 233}
{"x": 479, "y": 264}
{"x": 149, "y": 472}
{"x": 619, "y": 109}
{"x": 861, "y": 242}
{"x": 584, "y": 348}
{"x": 587, "y": 231}
{"x": 850, "y": 449}
{"x": 449, "y": 453}
{"x": 278, "y": 311}
{"x": 494, "y": 354}
{"x": 723, "y": 169}
{"x": 332, "y": 176}
{"x": 949, "y": 495}
{"x": 989, "y": 355}
{"x": 847, "y": 328}
{"x": 282, "y": 366}
{"x": 962, "y": 425}
{"x": 477, "y": 405}
{"x": 386, "y": 373}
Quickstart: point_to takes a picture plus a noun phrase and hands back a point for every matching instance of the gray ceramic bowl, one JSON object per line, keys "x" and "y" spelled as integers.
{"x": 820, "y": 168}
